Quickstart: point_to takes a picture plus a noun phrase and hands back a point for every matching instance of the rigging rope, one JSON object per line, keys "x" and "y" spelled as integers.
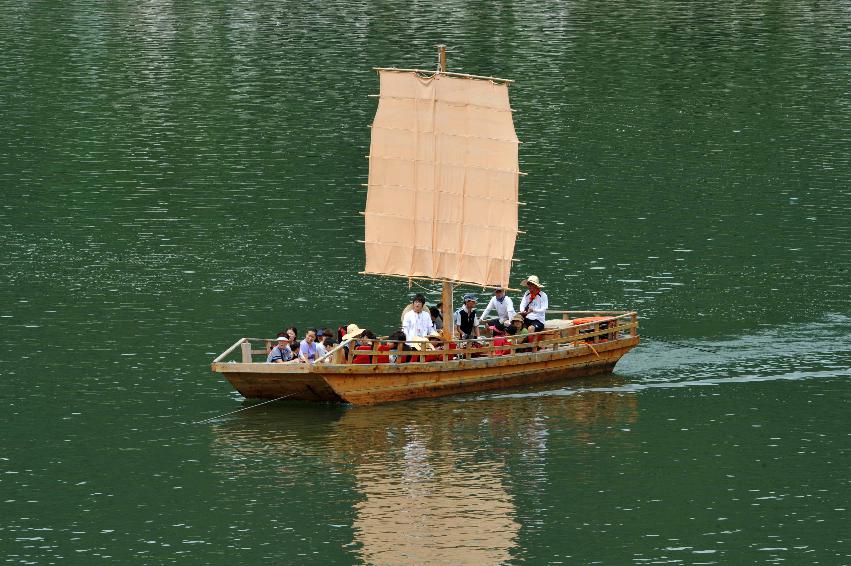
{"x": 243, "y": 409}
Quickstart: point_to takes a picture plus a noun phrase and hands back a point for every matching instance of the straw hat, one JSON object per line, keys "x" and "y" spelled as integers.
{"x": 352, "y": 331}
{"x": 517, "y": 316}
{"x": 434, "y": 334}
{"x": 533, "y": 279}
{"x": 417, "y": 343}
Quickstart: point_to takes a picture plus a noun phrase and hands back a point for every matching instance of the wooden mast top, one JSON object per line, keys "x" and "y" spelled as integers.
{"x": 447, "y": 309}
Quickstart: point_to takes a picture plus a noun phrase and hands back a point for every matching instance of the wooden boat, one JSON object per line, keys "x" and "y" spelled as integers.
{"x": 441, "y": 206}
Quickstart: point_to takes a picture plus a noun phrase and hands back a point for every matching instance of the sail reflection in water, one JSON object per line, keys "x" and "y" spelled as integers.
{"x": 426, "y": 499}
{"x": 423, "y": 514}
{"x": 425, "y": 482}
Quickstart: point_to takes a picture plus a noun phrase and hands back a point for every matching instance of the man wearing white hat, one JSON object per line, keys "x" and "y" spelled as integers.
{"x": 534, "y": 304}
{"x": 280, "y": 353}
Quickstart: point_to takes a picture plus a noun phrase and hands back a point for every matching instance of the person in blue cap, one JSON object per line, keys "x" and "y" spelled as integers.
{"x": 465, "y": 319}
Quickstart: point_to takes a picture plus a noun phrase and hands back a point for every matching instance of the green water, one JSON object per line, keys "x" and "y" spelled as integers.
{"x": 177, "y": 175}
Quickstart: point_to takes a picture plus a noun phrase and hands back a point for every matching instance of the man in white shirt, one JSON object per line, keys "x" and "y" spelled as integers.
{"x": 417, "y": 321}
{"x": 504, "y": 308}
{"x": 534, "y": 305}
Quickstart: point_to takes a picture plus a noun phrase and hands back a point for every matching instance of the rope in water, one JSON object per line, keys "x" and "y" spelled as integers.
{"x": 242, "y": 409}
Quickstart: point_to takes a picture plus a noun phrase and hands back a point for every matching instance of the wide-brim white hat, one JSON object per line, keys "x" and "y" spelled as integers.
{"x": 533, "y": 279}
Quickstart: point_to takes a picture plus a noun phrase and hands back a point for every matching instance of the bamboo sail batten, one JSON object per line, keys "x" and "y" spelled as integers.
{"x": 438, "y": 280}
{"x": 448, "y": 74}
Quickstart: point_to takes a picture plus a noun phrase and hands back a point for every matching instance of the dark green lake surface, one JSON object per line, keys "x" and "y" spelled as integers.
{"x": 177, "y": 175}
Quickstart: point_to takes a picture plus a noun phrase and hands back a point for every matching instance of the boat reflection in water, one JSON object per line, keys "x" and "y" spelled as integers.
{"x": 427, "y": 481}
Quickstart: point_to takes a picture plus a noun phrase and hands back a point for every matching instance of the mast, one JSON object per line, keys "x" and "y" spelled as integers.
{"x": 447, "y": 309}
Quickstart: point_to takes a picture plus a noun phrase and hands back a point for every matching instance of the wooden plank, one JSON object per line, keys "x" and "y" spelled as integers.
{"x": 246, "y": 352}
{"x": 229, "y": 350}
{"x": 374, "y": 389}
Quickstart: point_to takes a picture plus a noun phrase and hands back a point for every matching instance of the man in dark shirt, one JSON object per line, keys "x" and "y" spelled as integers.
{"x": 466, "y": 321}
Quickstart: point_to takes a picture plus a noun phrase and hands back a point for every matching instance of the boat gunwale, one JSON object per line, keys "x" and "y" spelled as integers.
{"x": 544, "y": 339}
{"x": 512, "y": 360}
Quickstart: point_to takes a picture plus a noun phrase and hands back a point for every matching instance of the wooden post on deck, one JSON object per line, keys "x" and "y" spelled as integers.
{"x": 447, "y": 311}
{"x": 246, "y": 352}
{"x": 338, "y": 356}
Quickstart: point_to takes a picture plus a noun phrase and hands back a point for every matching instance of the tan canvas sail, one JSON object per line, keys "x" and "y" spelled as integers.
{"x": 443, "y": 174}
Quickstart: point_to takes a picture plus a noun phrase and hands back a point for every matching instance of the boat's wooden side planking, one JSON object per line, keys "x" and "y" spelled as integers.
{"x": 381, "y": 388}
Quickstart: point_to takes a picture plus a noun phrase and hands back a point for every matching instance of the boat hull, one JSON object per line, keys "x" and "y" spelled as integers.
{"x": 380, "y": 383}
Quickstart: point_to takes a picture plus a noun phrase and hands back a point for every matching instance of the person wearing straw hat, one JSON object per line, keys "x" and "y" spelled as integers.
{"x": 281, "y": 352}
{"x": 417, "y": 321}
{"x": 534, "y": 304}
{"x": 504, "y": 308}
{"x": 352, "y": 331}
{"x": 465, "y": 319}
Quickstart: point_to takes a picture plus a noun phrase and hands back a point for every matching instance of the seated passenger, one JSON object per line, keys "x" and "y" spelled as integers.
{"x": 365, "y": 344}
{"x": 396, "y": 339}
{"x": 534, "y": 304}
{"x": 307, "y": 349}
{"x": 328, "y": 344}
{"x": 320, "y": 343}
{"x": 518, "y": 331}
{"x": 499, "y": 340}
{"x": 280, "y": 353}
{"x": 383, "y": 347}
{"x": 352, "y": 332}
{"x": 292, "y": 333}
{"x": 504, "y": 308}
{"x": 436, "y": 317}
{"x": 434, "y": 344}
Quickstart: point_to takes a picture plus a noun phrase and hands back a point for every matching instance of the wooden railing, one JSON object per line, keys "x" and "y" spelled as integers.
{"x": 615, "y": 325}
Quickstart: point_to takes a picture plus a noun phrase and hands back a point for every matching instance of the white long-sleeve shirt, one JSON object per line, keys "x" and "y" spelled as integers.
{"x": 504, "y": 310}
{"x": 417, "y": 324}
{"x": 537, "y": 308}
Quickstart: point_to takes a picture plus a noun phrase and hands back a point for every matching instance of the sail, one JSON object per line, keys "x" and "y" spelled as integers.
{"x": 443, "y": 177}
